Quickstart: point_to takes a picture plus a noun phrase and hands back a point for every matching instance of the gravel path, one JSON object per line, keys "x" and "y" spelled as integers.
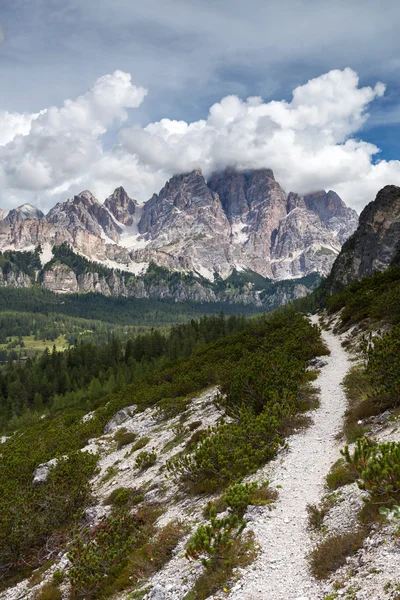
{"x": 280, "y": 572}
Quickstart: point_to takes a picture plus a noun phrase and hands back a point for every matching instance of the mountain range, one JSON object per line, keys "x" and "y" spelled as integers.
{"x": 236, "y": 221}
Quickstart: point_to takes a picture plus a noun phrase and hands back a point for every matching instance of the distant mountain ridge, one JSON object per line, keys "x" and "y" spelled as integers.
{"x": 236, "y": 221}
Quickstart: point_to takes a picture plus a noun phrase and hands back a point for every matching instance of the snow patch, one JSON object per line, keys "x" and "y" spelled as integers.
{"x": 238, "y": 234}
{"x": 46, "y": 254}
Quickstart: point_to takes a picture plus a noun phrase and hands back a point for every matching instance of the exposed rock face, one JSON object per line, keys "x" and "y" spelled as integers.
{"x": 121, "y": 206}
{"x": 42, "y": 472}
{"x": 84, "y": 212}
{"x": 375, "y": 245}
{"x": 303, "y": 244}
{"x": 238, "y": 220}
{"x": 186, "y": 221}
{"x": 120, "y": 417}
{"x": 333, "y": 212}
{"x": 254, "y": 203}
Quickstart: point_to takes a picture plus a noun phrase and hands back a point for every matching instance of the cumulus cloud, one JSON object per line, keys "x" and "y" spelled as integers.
{"x": 310, "y": 142}
{"x": 48, "y": 151}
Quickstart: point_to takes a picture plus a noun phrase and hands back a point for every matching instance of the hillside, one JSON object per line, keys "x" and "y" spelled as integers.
{"x": 69, "y": 273}
{"x": 227, "y": 456}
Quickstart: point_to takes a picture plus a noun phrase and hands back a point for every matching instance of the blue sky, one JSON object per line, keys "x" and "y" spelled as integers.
{"x": 189, "y": 55}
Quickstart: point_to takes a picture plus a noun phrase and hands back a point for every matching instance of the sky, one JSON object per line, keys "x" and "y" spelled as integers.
{"x": 94, "y": 95}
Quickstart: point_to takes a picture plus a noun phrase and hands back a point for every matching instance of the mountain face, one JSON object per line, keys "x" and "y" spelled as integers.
{"x": 121, "y": 206}
{"x": 375, "y": 245}
{"x": 235, "y": 221}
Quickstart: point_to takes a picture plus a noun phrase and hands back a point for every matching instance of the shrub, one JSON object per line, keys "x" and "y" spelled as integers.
{"x": 383, "y": 369}
{"x": 48, "y": 592}
{"x": 194, "y": 425}
{"x": 168, "y": 408}
{"x": 377, "y": 467}
{"x": 141, "y": 443}
{"x": 195, "y": 439}
{"x": 340, "y": 474}
{"x": 123, "y": 497}
{"x": 316, "y": 515}
{"x": 99, "y": 557}
{"x": 231, "y": 451}
{"x": 124, "y": 437}
{"x": 221, "y": 546}
{"x": 144, "y": 460}
{"x": 332, "y": 552}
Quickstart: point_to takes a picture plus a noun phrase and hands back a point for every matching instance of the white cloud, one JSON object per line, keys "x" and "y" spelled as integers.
{"x": 310, "y": 143}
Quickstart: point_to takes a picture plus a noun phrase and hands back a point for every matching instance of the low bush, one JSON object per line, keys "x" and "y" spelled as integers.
{"x": 144, "y": 460}
{"x": 141, "y": 443}
{"x": 221, "y": 547}
{"x": 99, "y": 557}
{"x": 49, "y": 592}
{"x": 383, "y": 369}
{"x": 316, "y": 515}
{"x": 231, "y": 451}
{"x": 331, "y": 553}
{"x": 168, "y": 408}
{"x": 124, "y": 437}
{"x": 377, "y": 467}
{"x": 124, "y": 497}
{"x": 340, "y": 474}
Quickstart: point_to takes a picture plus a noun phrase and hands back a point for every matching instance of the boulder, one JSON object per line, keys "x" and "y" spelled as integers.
{"x": 120, "y": 417}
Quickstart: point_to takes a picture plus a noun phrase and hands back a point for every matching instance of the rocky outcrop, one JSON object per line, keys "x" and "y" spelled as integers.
{"x": 375, "y": 245}
{"x": 42, "y": 472}
{"x": 15, "y": 279}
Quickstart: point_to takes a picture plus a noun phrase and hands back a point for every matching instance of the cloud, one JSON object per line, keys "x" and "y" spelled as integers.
{"x": 54, "y": 149}
{"x": 2, "y": 35}
{"x": 307, "y": 142}
{"x": 310, "y": 142}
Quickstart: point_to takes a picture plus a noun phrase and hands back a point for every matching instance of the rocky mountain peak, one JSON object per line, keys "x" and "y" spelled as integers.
{"x": 294, "y": 201}
{"x": 121, "y": 206}
{"x": 375, "y": 245}
{"x": 26, "y": 211}
{"x": 239, "y": 189}
{"x": 325, "y": 204}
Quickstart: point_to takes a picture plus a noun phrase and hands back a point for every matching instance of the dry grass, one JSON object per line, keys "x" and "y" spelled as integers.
{"x": 331, "y": 553}
{"x": 316, "y": 515}
{"x": 49, "y": 592}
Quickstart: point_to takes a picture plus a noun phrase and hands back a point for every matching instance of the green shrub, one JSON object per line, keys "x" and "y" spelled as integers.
{"x": 231, "y": 451}
{"x": 99, "y": 557}
{"x": 168, "y": 408}
{"x": 194, "y": 425}
{"x": 221, "y": 547}
{"x": 124, "y": 437}
{"x": 383, "y": 369}
{"x": 316, "y": 515}
{"x": 121, "y": 497}
{"x": 144, "y": 460}
{"x": 195, "y": 439}
{"x": 141, "y": 443}
{"x": 340, "y": 474}
{"x": 238, "y": 497}
{"x": 378, "y": 469}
